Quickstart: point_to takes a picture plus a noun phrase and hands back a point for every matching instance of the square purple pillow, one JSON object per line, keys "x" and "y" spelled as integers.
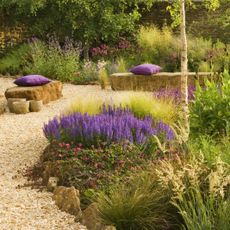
{"x": 32, "y": 80}
{"x": 145, "y": 69}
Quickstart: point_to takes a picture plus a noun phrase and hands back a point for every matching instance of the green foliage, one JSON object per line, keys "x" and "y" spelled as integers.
{"x": 138, "y": 204}
{"x": 158, "y": 46}
{"x": 200, "y": 193}
{"x": 94, "y": 168}
{"x": 210, "y": 111}
{"x": 88, "y": 21}
{"x": 53, "y": 61}
{"x": 14, "y": 62}
{"x": 203, "y": 212}
{"x": 197, "y": 51}
{"x": 87, "y": 74}
{"x": 210, "y": 148}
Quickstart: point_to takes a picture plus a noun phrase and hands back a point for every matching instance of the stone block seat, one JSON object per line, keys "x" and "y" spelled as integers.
{"x": 48, "y": 92}
{"x": 130, "y": 81}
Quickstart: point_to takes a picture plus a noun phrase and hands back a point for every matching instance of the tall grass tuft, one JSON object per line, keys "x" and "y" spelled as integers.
{"x": 141, "y": 104}
{"x": 104, "y": 78}
{"x": 140, "y": 204}
{"x": 160, "y": 109}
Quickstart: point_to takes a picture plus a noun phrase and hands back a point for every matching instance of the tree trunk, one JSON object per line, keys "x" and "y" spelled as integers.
{"x": 184, "y": 74}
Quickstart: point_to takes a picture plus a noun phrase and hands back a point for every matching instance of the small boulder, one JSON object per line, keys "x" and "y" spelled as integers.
{"x": 10, "y": 102}
{"x": 67, "y": 199}
{"x": 20, "y": 107}
{"x": 35, "y": 106}
{"x": 52, "y": 184}
{"x": 91, "y": 219}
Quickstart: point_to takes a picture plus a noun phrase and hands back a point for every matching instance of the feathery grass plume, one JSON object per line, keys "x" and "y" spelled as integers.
{"x": 86, "y": 104}
{"x": 121, "y": 65}
{"x": 160, "y": 109}
{"x": 200, "y": 193}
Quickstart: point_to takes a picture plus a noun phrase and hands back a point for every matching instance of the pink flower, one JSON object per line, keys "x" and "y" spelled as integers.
{"x": 67, "y": 146}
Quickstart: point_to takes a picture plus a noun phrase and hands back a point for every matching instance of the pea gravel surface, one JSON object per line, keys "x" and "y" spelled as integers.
{"x": 21, "y": 144}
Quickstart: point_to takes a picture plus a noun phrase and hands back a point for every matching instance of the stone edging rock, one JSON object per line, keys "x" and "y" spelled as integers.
{"x": 68, "y": 199}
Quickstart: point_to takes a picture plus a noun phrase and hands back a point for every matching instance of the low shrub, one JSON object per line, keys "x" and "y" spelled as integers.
{"x": 54, "y": 61}
{"x": 14, "y": 61}
{"x": 174, "y": 94}
{"x": 209, "y": 112}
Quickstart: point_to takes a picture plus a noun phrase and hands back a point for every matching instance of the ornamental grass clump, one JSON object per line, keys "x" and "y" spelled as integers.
{"x": 111, "y": 125}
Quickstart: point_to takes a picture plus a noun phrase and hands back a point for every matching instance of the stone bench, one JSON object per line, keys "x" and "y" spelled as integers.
{"x": 49, "y": 92}
{"x": 130, "y": 81}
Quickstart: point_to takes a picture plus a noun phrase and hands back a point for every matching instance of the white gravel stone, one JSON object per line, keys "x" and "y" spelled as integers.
{"x": 21, "y": 143}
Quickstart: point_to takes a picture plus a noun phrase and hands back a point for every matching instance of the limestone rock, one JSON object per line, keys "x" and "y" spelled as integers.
{"x": 2, "y": 104}
{"x": 91, "y": 220}
{"x": 35, "y": 106}
{"x": 49, "y": 92}
{"x": 20, "y": 107}
{"x": 52, "y": 184}
{"x": 10, "y": 102}
{"x": 130, "y": 81}
{"x": 67, "y": 199}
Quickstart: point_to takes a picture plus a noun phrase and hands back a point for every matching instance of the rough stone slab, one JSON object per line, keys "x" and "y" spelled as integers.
{"x": 130, "y": 81}
{"x": 49, "y": 92}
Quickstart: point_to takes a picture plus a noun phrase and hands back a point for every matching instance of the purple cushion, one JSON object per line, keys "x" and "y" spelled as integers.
{"x": 145, "y": 69}
{"x": 31, "y": 80}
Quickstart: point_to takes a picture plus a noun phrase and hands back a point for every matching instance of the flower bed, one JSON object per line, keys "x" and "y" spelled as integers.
{"x": 92, "y": 152}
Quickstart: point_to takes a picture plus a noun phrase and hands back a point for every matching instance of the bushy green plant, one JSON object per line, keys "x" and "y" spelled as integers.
{"x": 219, "y": 57}
{"x": 210, "y": 111}
{"x": 54, "y": 61}
{"x": 158, "y": 46}
{"x": 15, "y": 60}
{"x": 138, "y": 204}
{"x": 210, "y": 148}
{"x": 198, "y": 49}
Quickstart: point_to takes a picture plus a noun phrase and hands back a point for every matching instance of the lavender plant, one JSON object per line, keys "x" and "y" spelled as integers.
{"x": 111, "y": 125}
{"x": 174, "y": 93}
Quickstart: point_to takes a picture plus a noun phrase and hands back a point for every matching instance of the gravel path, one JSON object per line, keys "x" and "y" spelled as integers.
{"x": 21, "y": 143}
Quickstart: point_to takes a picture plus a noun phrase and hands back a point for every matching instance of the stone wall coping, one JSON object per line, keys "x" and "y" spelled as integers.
{"x": 170, "y": 74}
